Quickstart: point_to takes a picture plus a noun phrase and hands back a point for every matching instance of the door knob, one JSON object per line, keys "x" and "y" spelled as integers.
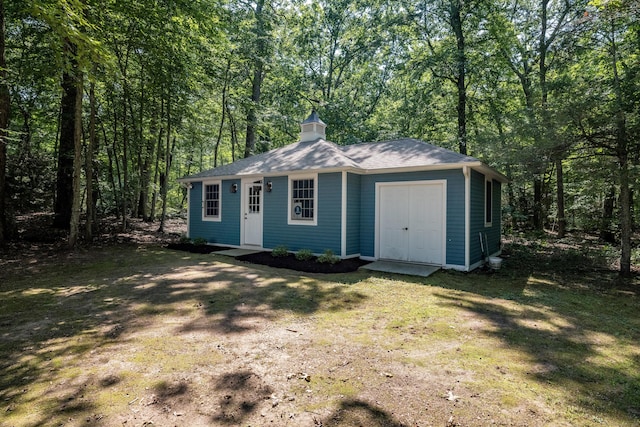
{"x": 406, "y": 228}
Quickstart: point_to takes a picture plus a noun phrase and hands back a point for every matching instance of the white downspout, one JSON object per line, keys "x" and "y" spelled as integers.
{"x": 189, "y": 187}
{"x": 343, "y": 228}
{"x": 467, "y": 216}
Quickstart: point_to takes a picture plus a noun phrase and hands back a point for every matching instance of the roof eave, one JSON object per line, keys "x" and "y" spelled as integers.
{"x": 269, "y": 174}
{"x": 479, "y": 166}
{"x": 439, "y": 166}
{"x": 494, "y": 174}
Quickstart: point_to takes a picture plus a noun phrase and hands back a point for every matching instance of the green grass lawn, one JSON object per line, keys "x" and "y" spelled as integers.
{"x": 128, "y": 335}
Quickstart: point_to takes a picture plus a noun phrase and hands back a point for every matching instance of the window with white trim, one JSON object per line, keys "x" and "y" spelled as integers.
{"x": 488, "y": 202}
{"x": 303, "y": 196}
{"x": 211, "y": 201}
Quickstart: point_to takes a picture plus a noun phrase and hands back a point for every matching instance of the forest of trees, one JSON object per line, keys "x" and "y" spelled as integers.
{"x": 104, "y": 103}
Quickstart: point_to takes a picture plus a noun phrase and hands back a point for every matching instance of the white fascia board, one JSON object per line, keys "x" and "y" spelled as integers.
{"x": 444, "y": 166}
{"x": 481, "y": 167}
{"x": 491, "y": 173}
{"x": 270, "y": 174}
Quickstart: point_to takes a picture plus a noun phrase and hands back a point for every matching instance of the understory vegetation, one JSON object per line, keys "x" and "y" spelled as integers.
{"x": 104, "y": 105}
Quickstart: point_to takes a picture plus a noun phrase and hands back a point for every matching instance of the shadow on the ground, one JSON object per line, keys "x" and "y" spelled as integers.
{"x": 242, "y": 393}
{"x": 64, "y": 307}
{"x": 562, "y": 319}
{"x": 355, "y": 412}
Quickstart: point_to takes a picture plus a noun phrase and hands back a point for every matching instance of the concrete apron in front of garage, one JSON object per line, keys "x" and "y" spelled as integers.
{"x": 401, "y": 268}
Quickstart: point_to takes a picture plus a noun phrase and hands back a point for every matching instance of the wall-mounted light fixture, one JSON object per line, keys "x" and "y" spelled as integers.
{"x": 234, "y": 188}
{"x": 269, "y": 186}
{"x": 189, "y": 186}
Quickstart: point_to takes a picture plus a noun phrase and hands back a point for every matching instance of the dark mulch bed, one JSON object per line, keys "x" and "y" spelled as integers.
{"x": 289, "y": 261}
{"x": 196, "y": 249}
{"x": 309, "y": 266}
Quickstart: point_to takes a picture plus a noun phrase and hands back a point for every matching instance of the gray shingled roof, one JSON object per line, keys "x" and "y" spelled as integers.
{"x": 321, "y": 154}
{"x": 401, "y": 153}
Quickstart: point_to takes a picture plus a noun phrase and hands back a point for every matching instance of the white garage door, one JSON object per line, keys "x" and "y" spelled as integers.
{"x": 411, "y": 222}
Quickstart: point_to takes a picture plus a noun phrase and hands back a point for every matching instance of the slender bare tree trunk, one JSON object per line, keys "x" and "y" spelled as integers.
{"x": 606, "y": 233}
{"x": 164, "y": 177}
{"x": 622, "y": 154}
{"x": 225, "y": 88}
{"x": 91, "y": 202}
{"x": 461, "y": 66}
{"x": 258, "y": 77}
{"x": 77, "y": 165}
{"x": 156, "y": 176}
{"x": 64, "y": 179}
{"x": 562, "y": 221}
{"x": 5, "y": 105}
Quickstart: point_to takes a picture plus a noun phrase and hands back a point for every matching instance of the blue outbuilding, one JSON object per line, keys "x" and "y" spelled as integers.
{"x": 402, "y": 200}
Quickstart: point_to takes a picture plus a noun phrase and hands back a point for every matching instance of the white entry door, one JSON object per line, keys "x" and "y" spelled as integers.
{"x": 252, "y": 213}
{"x": 411, "y": 222}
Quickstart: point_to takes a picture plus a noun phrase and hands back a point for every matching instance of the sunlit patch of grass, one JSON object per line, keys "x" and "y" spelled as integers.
{"x": 163, "y": 354}
{"x": 339, "y": 388}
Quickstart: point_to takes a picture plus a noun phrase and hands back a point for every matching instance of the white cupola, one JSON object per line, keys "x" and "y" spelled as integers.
{"x": 312, "y": 128}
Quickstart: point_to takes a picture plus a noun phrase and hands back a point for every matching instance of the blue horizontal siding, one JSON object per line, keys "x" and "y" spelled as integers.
{"x": 493, "y": 233}
{"x": 455, "y": 232}
{"x": 225, "y": 232}
{"x": 353, "y": 214}
{"x": 361, "y": 207}
{"x": 325, "y": 235}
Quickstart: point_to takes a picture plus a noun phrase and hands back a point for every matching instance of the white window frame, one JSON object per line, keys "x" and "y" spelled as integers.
{"x": 293, "y": 221}
{"x": 206, "y": 217}
{"x": 488, "y": 181}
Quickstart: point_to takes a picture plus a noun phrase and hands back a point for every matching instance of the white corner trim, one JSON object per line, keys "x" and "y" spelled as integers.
{"x": 343, "y": 227}
{"x": 467, "y": 216}
{"x": 189, "y": 190}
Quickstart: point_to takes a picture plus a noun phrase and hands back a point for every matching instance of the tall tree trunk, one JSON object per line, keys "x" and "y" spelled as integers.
{"x": 125, "y": 164}
{"x": 112, "y": 178}
{"x": 146, "y": 179}
{"x": 606, "y": 232}
{"x": 156, "y": 175}
{"x": 66, "y": 149}
{"x": 461, "y": 66}
{"x": 625, "y": 215}
{"x": 5, "y": 105}
{"x": 74, "y": 229}
{"x": 225, "y": 87}
{"x": 164, "y": 176}
{"x": 89, "y": 172}
{"x": 538, "y": 212}
{"x": 622, "y": 153}
{"x": 503, "y": 142}
{"x": 258, "y": 77}
{"x": 562, "y": 222}
{"x": 234, "y": 133}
